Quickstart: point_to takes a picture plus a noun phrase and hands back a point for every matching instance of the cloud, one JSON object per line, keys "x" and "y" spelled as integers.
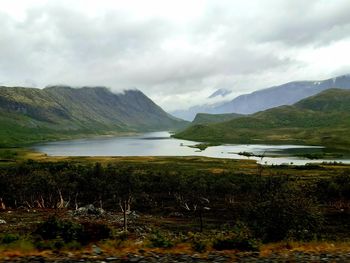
{"x": 177, "y": 52}
{"x": 308, "y": 22}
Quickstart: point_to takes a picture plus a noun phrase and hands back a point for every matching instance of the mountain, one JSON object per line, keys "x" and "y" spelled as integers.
{"x": 190, "y": 113}
{"x": 205, "y": 118}
{"x": 216, "y": 99}
{"x": 323, "y": 119}
{"x": 220, "y": 92}
{"x": 29, "y": 114}
{"x": 286, "y": 94}
{"x": 260, "y": 100}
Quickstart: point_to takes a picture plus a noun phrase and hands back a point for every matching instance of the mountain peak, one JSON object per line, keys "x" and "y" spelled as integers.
{"x": 66, "y": 87}
{"x": 220, "y": 92}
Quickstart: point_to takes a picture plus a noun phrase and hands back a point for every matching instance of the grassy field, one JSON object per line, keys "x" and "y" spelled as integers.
{"x": 13, "y": 156}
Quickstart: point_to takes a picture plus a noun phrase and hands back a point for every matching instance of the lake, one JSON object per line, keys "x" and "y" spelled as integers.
{"x": 161, "y": 144}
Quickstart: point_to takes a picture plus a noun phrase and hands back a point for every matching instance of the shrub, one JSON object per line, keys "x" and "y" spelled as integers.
{"x": 284, "y": 211}
{"x": 55, "y": 228}
{"x": 199, "y": 245}
{"x": 240, "y": 238}
{"x": 53, "y": 244}
{"x": 123, "y": 236}
{"x": 8, "y": 238}
{"x": 158, "y": 239}
{"x": 73, "y": 245}
{"x": 69, "y": 231}
{"x": 92, "y": 232}
{"x": 199, "y": 241}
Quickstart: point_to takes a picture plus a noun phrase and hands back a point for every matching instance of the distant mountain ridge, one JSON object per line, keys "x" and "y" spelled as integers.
{"x": 285, "y": 94}
{"x": 59, "y": 110}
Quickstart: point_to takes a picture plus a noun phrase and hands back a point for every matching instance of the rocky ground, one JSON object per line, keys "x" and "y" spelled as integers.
{"x": 212, "y": 257}
{"x": 24, "y": 220}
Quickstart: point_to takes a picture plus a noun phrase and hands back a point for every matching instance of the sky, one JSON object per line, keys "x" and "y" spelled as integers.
{"x": 176, "y": 52}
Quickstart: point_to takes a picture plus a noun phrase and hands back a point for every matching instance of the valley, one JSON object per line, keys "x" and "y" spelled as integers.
{"x": 174, "y": 131}
{"x": 87, "y": 174}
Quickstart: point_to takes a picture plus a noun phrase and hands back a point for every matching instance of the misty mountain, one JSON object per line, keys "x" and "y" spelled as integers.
{"x": 190, "y": 113}
{"x": 215, "y": 100}
{"x": 220, "y": 92}
{"x": 286, "y": 94}
{"x": 28, "y": 114}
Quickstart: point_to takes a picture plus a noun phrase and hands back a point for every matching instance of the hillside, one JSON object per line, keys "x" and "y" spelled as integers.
{"x": 28, "y": 114}
{"x": 205, "y": 118}
{"x": 323, "y": 119}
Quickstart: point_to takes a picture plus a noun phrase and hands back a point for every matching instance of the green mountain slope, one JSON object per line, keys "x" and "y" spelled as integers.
{"x": 323, "y": 119}
{"x": 206, "y": 118}
{"x": 28, "y": 114}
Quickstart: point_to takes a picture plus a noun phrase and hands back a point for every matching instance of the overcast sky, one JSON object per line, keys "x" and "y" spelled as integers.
{"x": 176, "y": 52}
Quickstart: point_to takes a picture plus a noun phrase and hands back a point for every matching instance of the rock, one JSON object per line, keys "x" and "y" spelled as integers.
{"x": 88, "y": 210}
{"x": 176, "y": 214}
{"x": 96, "y": 250}
{"x": 2, "y": 222}
{"x": 134, "y": 259}
{"x": 111, "y": 259}
{"x": 133, "y": 215}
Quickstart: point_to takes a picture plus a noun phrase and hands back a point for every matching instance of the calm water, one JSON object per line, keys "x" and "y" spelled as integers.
{"x": 160, "y": 144}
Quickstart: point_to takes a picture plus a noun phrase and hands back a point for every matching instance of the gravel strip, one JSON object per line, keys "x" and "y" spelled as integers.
{"x": 214, "y": 257}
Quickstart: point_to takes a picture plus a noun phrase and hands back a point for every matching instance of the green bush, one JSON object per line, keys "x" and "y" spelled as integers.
{"x": 240, "y": 238}
{"x": 8, "y": 238}
{"x": 281, "y": 211}
{"x": 73, "y": 245}
{"x": 53, "y": 244}
{"x": 160, "y": 240}
{"x": 54, "y": 228}
{"x": 69, "y": 231}
{"x": 123, "y": 236}
{"x": 92, "y": 232}
{"x": 199, "y": 241}
{"x": 199, "y": 245}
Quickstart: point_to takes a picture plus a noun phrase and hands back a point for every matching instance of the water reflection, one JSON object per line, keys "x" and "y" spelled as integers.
{"x": 161, "y": 144}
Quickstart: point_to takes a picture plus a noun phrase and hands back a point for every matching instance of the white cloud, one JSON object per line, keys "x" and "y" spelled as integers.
{"x": 177, "y": 52}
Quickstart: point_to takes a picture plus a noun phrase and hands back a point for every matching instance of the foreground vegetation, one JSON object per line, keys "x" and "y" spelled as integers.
{"x": 171, "y": 204}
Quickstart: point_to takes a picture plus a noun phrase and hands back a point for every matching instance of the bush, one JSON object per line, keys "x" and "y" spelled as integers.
{"x": 73, "y": 245}
{"x": 158, "y": 239}
{"x": 283, "y": 211}
{"x": 53, "y": 244}
{"x": 199, "y": 241}
{"x": 54, "y": 228}
{"x": 240, "y": 238}
{"x": 123, "y": 236}
{"x": 92, "y": 232}
{"x": 69, "y": 231}
{"x": 228, "y": 243}
{"x": 199, "y": 245}
{"x": 8, "y": 238}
